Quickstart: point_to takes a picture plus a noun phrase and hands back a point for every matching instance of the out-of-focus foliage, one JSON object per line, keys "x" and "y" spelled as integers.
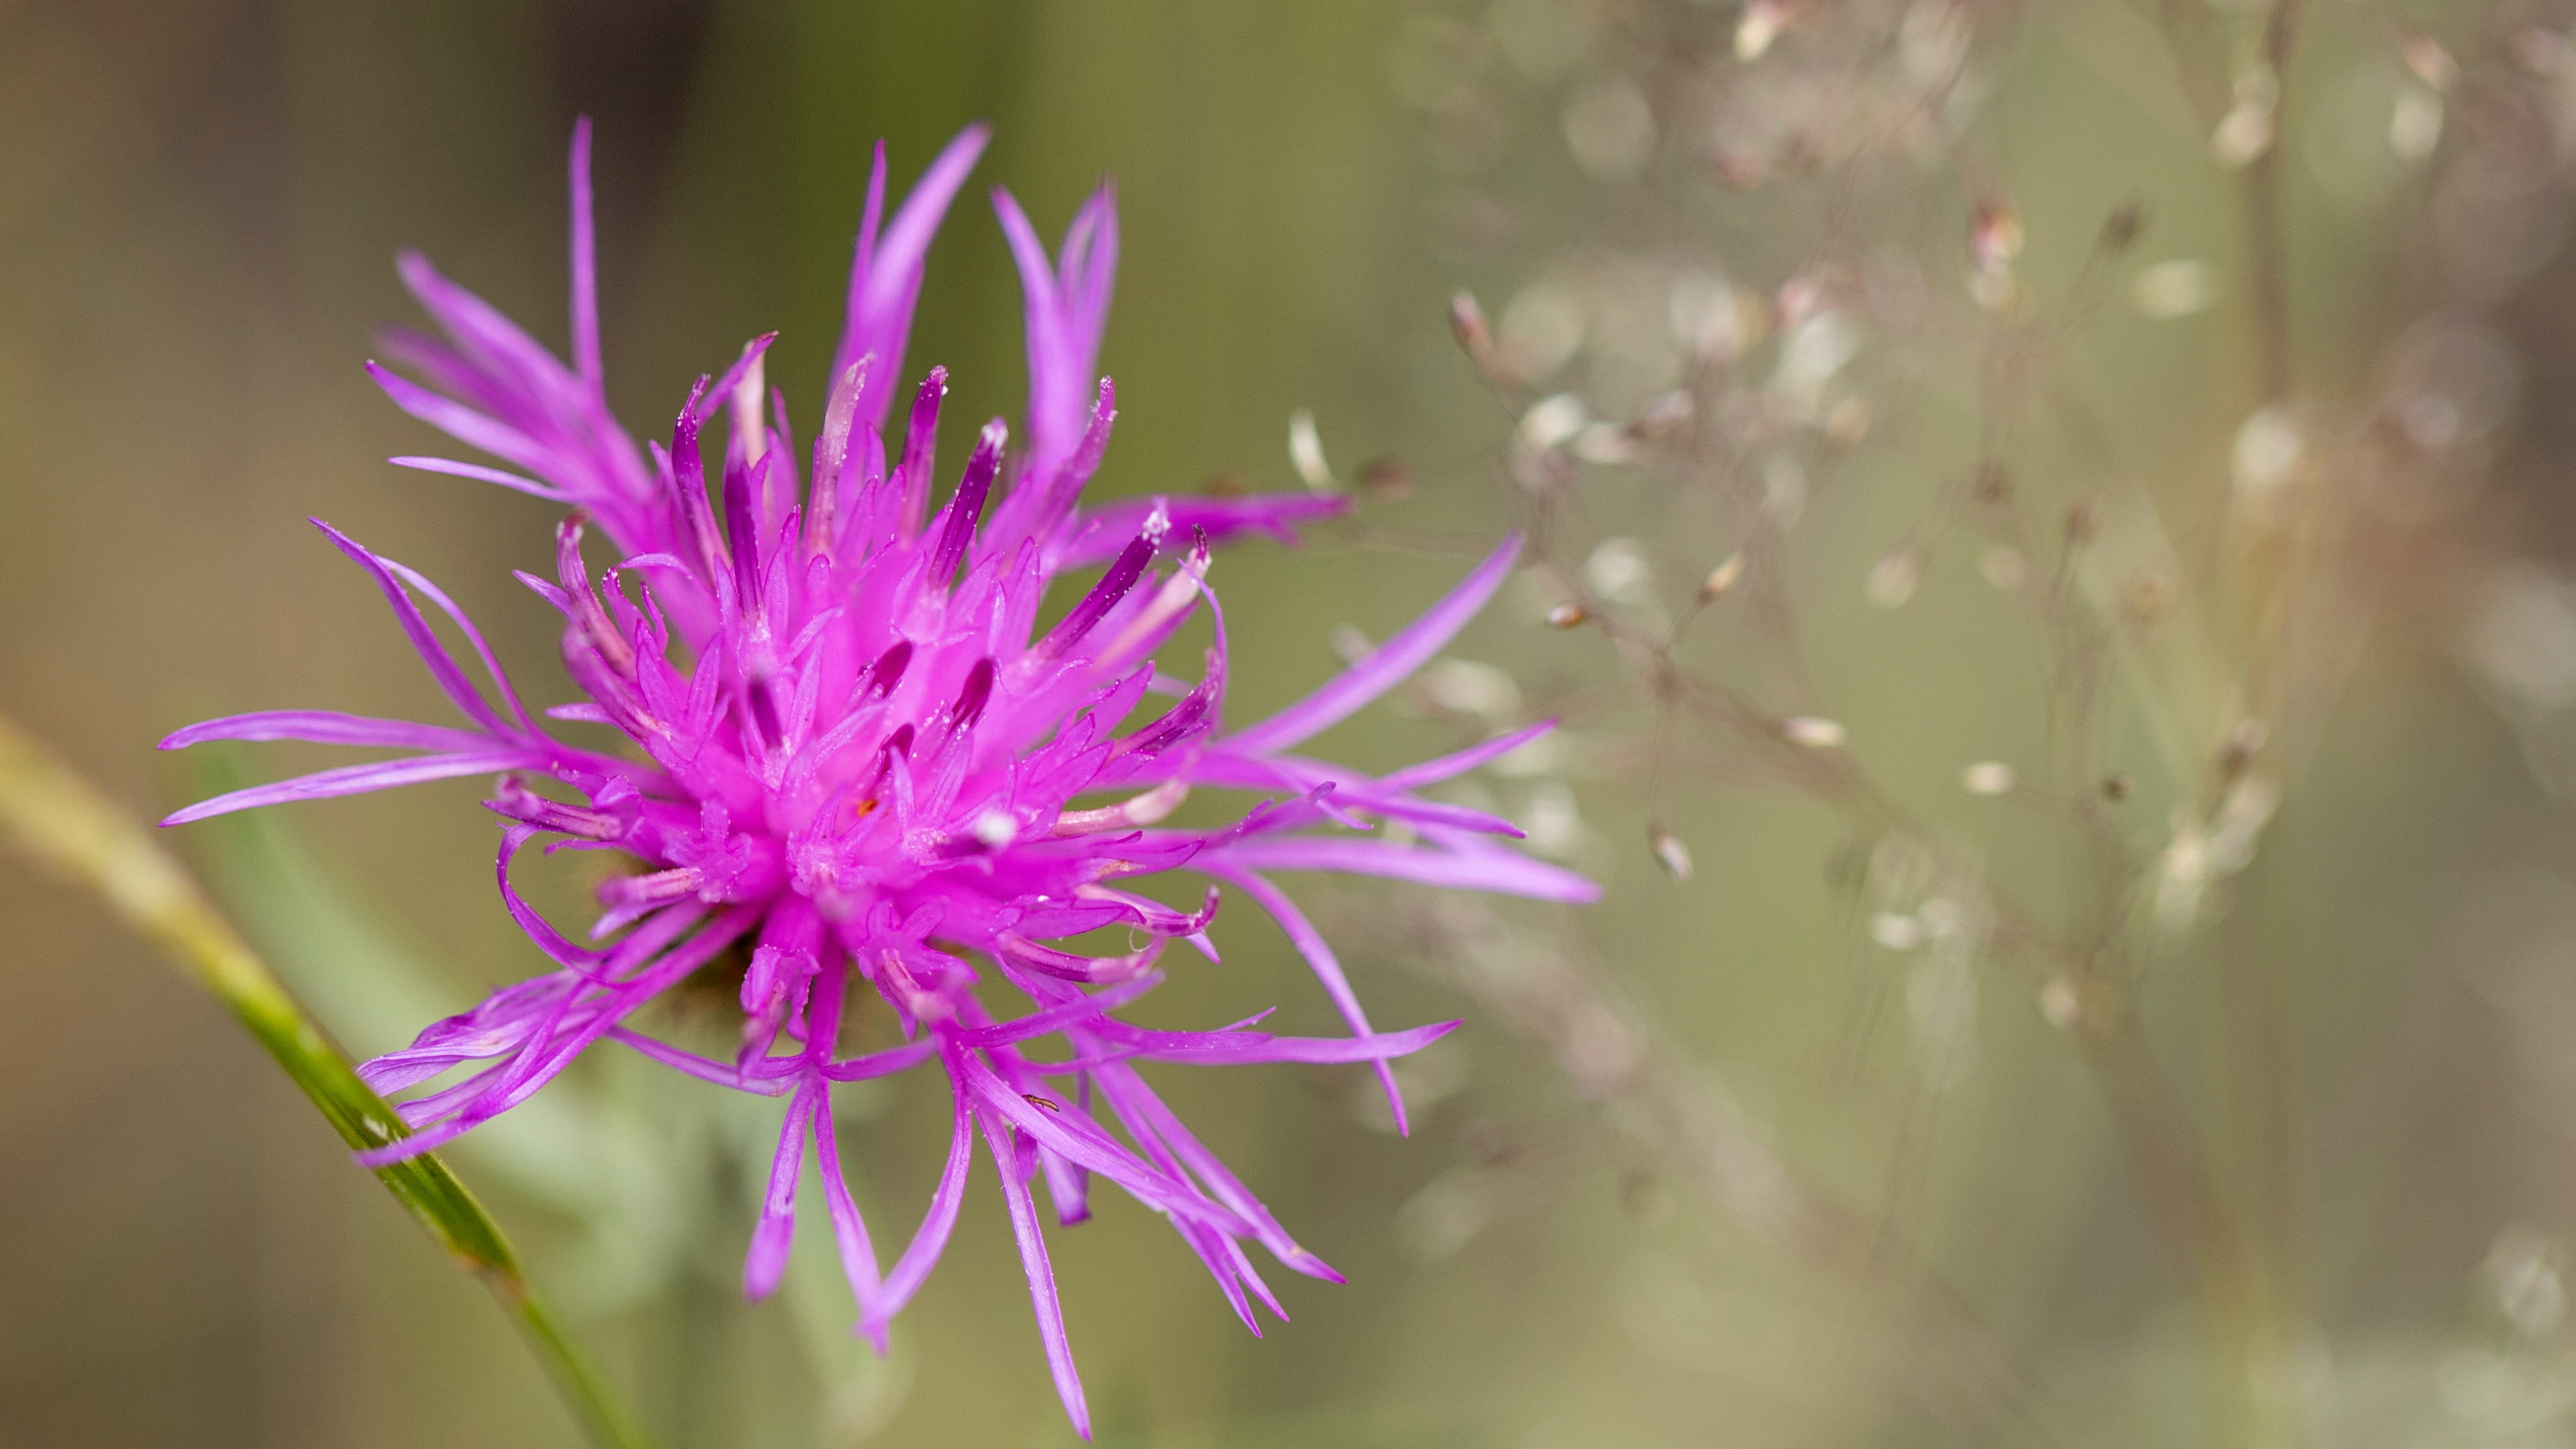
{"x": 2053, "y": 517}
{"x": 2031, "y": 496}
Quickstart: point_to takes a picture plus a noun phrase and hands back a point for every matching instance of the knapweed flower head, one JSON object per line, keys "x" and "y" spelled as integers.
{"x": 845, "y": 744}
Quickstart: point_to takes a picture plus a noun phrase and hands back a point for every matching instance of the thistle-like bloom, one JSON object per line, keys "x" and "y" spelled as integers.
{"x": 848, "y": 747}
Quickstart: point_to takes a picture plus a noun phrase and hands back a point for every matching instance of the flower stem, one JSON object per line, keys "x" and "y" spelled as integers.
{"x": 62, "y": 823}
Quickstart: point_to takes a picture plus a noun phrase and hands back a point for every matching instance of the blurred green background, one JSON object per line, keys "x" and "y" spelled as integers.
{"x": 198, "y": 209}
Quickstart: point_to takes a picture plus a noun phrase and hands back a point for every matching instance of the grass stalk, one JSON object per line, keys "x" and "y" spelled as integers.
{"x": 65, "y": 825}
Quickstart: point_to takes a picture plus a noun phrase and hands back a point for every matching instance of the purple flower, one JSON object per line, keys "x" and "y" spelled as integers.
{"x": 847, "y": 747}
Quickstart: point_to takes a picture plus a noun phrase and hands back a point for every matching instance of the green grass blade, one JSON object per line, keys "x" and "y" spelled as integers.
{"x": 57, "y": 819}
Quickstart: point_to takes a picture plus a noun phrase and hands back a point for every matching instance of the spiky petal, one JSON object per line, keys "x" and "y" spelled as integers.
{"x": 850, "y": 751}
